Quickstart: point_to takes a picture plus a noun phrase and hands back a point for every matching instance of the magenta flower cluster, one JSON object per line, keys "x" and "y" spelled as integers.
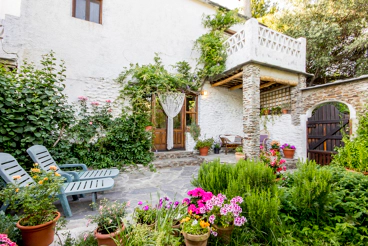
{"x": 4, "y": 240}
{"x": 199, "y": 197}
{"x": 287, "y": 146}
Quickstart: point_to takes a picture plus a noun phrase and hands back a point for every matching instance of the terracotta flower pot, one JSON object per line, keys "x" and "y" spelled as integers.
{"x": 107, "y": 239}
{"x": 148, "y": 128}
{"x": 285, "y": 111}
{"x": 196, "y": 240}
{"x": 289, "y": 153}
{"x": 176, "y": 228}
{"x": 39, "y": 235}
{"x": 239, "y": 155}
{"x": 203, "y": 151}
{"x": 224, "y": 232}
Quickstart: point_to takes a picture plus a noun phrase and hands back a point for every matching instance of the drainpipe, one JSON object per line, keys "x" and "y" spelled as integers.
{"x": 247, "y": 8}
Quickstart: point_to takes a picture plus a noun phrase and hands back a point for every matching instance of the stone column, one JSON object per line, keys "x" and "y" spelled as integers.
{"x": 251, "y": 110}
{"x": 297, "y": 100}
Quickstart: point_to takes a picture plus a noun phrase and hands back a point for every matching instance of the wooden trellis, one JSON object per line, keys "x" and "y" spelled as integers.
{"x": 277, "y": 97}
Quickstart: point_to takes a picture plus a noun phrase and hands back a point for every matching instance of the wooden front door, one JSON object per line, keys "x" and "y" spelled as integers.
{"x": 159, "y": 120}
{"x": 324, "y": 133}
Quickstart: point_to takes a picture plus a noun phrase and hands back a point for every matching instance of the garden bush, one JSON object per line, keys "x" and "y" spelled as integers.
{"x": 33, "y": 108}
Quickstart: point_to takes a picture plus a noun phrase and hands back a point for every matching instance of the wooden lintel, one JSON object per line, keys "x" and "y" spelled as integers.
{"x": 266, "y": 85}
{"x": 279, "y": 81}
{"x": 228, "y": 79}
{"x": 236, "y": 87}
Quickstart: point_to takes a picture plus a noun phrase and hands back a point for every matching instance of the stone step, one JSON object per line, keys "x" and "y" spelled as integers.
{"x": 173, "y": 155}
{"x": 190, "y": 161}
{"x": 290, "y": 163}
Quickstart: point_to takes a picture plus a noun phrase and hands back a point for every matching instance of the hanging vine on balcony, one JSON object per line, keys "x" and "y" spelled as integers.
{"x": 210, "y": 45}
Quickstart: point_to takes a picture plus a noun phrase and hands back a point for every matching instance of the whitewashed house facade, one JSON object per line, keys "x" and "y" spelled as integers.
{"x": 111, "y": 34}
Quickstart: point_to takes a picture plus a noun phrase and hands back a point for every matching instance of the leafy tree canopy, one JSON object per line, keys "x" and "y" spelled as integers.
{"x": 336, "y": 33}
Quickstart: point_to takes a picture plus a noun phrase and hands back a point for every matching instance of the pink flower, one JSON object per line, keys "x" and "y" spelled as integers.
{"x": 82, "y": 98}
{"x": 140, "y": 203}
{"x": 284, "y": 168}
{"x": 128, "y": 204}
{"x": 145, "y": 208}
{"x": 90, "y": 123}
{"x": 211, "y": 219}
{"x": 85, "y": 236}
{"x": 282, "y": 161}
{"x": 95, "y": 103}
{"x": 108, "y": 101}
{"x": 186, "y": 201}
{"x": 214, "y": 233}
{"x": 273, "y": 163}
{"x": 109, "y": 110}
{"x": 261, "y": 146}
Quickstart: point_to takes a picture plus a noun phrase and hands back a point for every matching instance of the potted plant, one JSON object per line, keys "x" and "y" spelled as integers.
{"x": 109, "y": 220}
{"x": 35, "y": 202}
{"x": 216, "y": 148}
{"x": 204, "y": 145}
{"x": 275, "y": 145}
{"x": 265, "y": 111}
{"x": 285, "y": 108}
{"x": 196, "y": 231}
{"x": 198, "y": 198}
{"x": 239, "y": 153}
{"x": 289, "y": 150}
{"x": 224, "y": 214}
{"x": 276, "y": 110}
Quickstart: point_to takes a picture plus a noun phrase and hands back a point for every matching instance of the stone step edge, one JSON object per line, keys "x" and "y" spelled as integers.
{"x": 178, "y": 162}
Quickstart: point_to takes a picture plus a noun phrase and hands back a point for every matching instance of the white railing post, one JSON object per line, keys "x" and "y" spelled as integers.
{"x": 303, "y": 52}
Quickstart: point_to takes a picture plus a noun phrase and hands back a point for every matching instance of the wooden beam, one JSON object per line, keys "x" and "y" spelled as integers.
{"x": 266, "y": 85}
{"x": 228, "y": 79}
{"x": 236, "y": 87}
{"x": 279, "y": 81}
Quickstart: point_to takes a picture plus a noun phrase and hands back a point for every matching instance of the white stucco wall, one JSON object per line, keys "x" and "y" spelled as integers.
{"x": 220, "y": 112}
{"x": 282, "y": 130}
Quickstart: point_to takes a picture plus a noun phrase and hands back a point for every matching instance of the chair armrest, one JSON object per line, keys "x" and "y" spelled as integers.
{"x": 74, "y": 174}
{"x": 67, "y": 177}
{"x": 83, "y": 166}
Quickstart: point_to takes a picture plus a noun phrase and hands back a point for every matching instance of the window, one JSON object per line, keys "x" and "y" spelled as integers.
{"x": 89, "y": 10}
{"x": 191, "y": 109}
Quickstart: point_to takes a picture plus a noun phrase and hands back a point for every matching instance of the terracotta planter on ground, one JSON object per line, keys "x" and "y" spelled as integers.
{"x": 289, "y": 153}
{"x": 203, "y": 151}
{"x": 39, "y": 235}
{"x": 107, "y": 239}
{"x": 196, "y": 240}
{"x": 224, "y": 233}
{"x": 239, "y": 155}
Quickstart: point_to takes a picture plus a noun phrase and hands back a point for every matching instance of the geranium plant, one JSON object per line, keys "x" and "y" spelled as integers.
{"x": 275, "y": 144}
{"x": 222, "y": 212}
{"x": 110, "y": 216}
{"x": 287, "y": 146}
{"x": 34, "y": 201}
{"x": 273, "y": 159}
{"x": 5, "y": 241}
{"x": 198, "y": 199}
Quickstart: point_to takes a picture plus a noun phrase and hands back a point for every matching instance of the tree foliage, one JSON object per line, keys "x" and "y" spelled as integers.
{"x": 262, "y": 8}
{"x": 336, "y": 33}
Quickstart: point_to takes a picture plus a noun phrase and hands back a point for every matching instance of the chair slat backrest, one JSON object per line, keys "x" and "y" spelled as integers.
{"x": 9, "y": 167}
{"x": 41, "y": 155}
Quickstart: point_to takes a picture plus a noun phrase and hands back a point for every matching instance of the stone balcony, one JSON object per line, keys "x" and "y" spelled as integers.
{"x": 259, "y": 44}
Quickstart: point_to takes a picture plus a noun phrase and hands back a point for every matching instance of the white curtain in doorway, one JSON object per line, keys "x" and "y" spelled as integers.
{"x": 171, "y": 102}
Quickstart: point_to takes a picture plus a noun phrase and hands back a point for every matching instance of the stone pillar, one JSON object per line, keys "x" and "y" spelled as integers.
{"x": 251, "y": 110}
{"x": 297, "y": 100}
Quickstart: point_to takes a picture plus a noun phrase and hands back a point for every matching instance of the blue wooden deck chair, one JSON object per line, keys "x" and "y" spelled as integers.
{"x": 41, "y": 155}
{"x": 9, "y": 167}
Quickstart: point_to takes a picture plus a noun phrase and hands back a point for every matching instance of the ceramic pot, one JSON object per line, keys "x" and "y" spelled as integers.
{"x": 239, "y": 155}
{"x": 224, "y": 233}
{"x": 203, "y": 151}
{"x": 176, "y": 228}
{"x": 39, "y": 235}
{"x": 107, "y": 239}
{"x": 216, "y": 150}
{"x": 148, "y": 128}
{"x": 196, "y": 240}
{"x": 289, "y": 153}
{"x": 285, "y": 111}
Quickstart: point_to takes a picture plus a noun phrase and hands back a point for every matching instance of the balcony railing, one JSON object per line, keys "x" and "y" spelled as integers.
{"x": 263, "y": 45}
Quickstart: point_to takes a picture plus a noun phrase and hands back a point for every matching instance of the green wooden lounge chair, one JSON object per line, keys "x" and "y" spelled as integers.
{"x": 41, "y": 155}
{"x": 9, "y": 167}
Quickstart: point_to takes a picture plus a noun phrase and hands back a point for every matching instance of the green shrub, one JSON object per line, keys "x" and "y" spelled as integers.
{"x": 33, "y": 107}
{"x": 213, "y": 176}
{"x": 262, "y": 206}
{"x": 7, "y": 226}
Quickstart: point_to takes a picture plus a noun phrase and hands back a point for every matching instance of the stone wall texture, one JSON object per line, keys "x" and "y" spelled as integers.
{"x": 251, "y": 110}
{"x": 350, "y": 91}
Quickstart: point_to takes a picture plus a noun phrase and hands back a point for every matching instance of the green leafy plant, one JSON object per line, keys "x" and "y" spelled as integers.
{"x": 110, "y": 216}
{"x": 194, "y": 224}
{"x": 204, "y": 143}
{"x": 33, "y": 107}
{"x": 7, "y": 226}
{"x": 239, "y": 149}
{"x": 195, "y": 131}
{"x": 35, "y": 201}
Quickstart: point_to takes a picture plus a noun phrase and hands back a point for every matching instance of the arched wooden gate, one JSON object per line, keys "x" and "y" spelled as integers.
{"x": 324, "y": 133}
